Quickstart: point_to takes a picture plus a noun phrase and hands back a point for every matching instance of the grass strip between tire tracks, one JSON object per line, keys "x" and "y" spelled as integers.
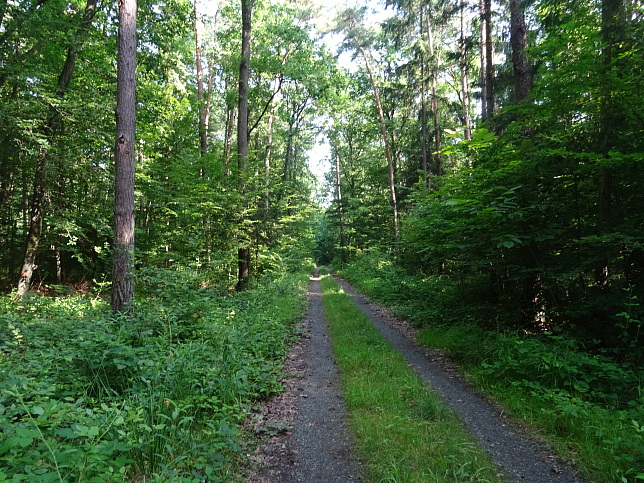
{"x": 404, "y": 432}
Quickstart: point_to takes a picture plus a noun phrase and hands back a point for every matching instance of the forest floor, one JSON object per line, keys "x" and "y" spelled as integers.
{"x": 309, "y": 440}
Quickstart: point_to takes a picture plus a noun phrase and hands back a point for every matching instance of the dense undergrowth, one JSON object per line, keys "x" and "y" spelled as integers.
{"x": 157, "y": 396}
{"x": 588, "y": 402}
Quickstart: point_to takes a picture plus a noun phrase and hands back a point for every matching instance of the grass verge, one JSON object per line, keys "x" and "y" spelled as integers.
{"x": 403, "y": 431}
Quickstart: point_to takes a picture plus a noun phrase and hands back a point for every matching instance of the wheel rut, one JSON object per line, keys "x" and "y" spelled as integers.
{"x": 319, "y": 448}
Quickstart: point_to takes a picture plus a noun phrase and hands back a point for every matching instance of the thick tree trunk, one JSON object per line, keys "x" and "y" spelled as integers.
{"x": 519, "y": 41}
{"x": 123, "y": 256}
{"x": 40, "y": 178}
{"x": 243, "y": 252}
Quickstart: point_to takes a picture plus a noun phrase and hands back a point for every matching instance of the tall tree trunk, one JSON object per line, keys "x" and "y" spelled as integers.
{"x": 228, "y": 139}
{"x": 519, "y": 41}
{"x": 338, "y": 191}
{"x": 436, "y": 64}
{"x": 487, "y": 104}
{"x": 203, "y": 129}
{"x": 243, "y": 252}
{"x": 40, "y": 178}
{"x": 385, "y": 140}
{"x": 277, "y": 86}
{"x": 489, "y": 57}
{"x": 465, "y": 82}
{"x": 613, "y": 18}
{"x": 123, "y": 256}
{"x": 423, "y": 108}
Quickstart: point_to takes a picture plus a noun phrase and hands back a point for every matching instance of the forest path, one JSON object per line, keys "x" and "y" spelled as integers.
{"x": 319, "y": 447}
{"x": 515, "y": 451}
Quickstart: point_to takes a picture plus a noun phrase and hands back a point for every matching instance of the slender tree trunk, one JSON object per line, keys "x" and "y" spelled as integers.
{"x": 423, "y": 109}
{"x": 228, "y": 139}
{"x": 338, "y": 191}
{"x": 613, "y": 19}
{"x": 40, "y": 178}
{"x": 243, "y": 252}
{"x": 123, "y": 256}
{"x": 267, "y": 165}
{"x": 489, "y": 58}
{"x": 277, "y": 85}
{"x": 203, "y": 129}
{"x": 465, "y": 82}
{"x": 519, "y": 41}
{"x": 208, "y": 94}
{"x": 423, "y": 131}
{"x": 484, "y": 15}
{"x": 385, "y": 140}
{"x": 436, "y": 64}
{"x": 35, "y": 225}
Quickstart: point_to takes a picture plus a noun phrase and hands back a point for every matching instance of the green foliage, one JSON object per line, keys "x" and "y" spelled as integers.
{"x": 159, "y": 395}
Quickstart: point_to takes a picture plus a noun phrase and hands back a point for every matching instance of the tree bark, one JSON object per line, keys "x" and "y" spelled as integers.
{"x": 243, "y": 252}
{"x": 40, "y": 178}
{"x": 519, "y": 41}
{"x": 123, "y": 256}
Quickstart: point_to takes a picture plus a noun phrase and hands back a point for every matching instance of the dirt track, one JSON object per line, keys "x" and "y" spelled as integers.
{"x": 319, "y": 448}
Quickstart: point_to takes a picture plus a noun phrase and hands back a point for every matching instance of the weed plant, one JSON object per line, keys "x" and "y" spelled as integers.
{"x": 157, "y": 396}
{"x": 586, "y": 402}
{"x": 404, "y": 432}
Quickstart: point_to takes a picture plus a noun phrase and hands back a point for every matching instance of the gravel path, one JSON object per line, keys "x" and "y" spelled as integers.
{"x": 318, "y": 449}
{"x": 522, "y": 458}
